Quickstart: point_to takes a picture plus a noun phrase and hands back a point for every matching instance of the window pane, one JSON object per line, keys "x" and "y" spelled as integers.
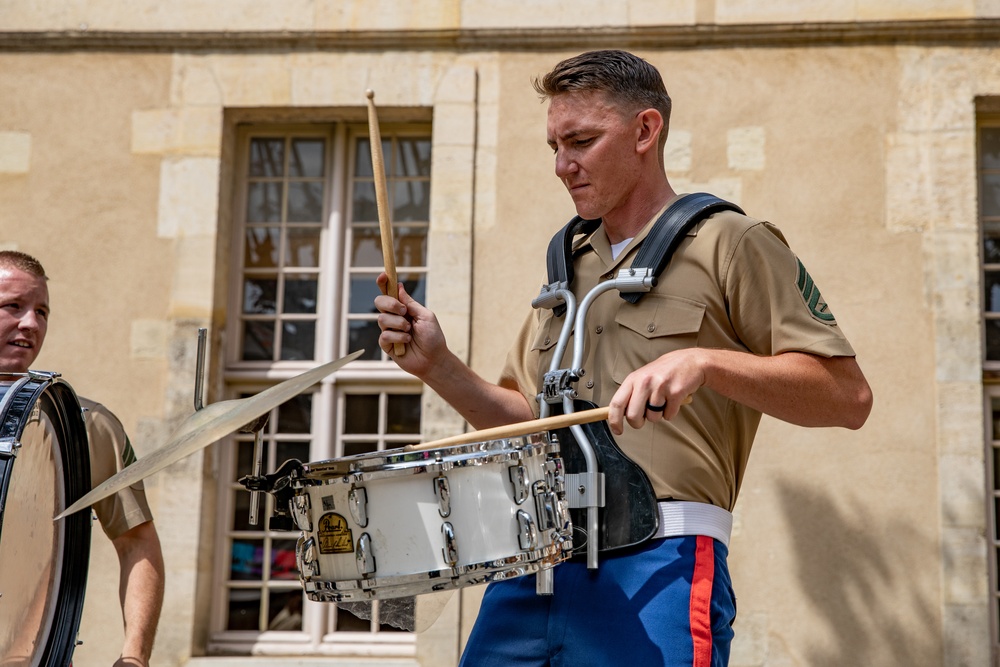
{"x": 366, "y": 246}
{"x": 295, "y": 415}
{"x": 411, "y": 201}
{"x": 363, "y": 293}
{"x": 353, "y": 448}
{"x": 283, "y": 560}
{"x": 244, "y": 457}
{"x": 993, "y": 340}
{"x": 363, "y": 156}
{"x": 989, "y": 146}
{"x": 363, "y": 335}
{"x": 411, "y": 245}
{"x": 307, "y": 158}
{"x": 244, "y": 609}
{"x": 991, "y": 195}
{"x": 361, "y": 413}
{"x": 285, "y": 610}
{"x": 260, "y": 295}
{"x": 415, "y": 285}
{"x": 305, "y": 202}
{"x": 300, "y": 294}
{"x": 291, "y": 450}
{"x": 363, "y": 207}
{"x": 262, "y": 247}
{"x": 303, "y": 247}
{"x": 403, "y": 413}
{"x": 991, "y": 246}
{"x": 298, "y": 340}
{"x": 413, "y": 157}
{"x": 241, "y": 511}
{"x": 247, "y": 560}
{"x": 991, "y": 280}
{"x": 258, "y": 341}
{"x": 267, "y": 157}
{"x": 264, "y": 202}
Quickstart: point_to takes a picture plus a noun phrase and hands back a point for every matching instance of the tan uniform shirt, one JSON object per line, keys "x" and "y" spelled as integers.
{"x": 732, "y": 284}
{"x": 110, "y": 452}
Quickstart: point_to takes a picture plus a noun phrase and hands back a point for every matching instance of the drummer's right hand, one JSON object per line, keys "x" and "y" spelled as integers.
{"x": 404, "y": 320}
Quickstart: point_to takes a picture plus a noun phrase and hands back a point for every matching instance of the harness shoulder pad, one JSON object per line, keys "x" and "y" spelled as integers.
{"x": 669, "y": 229}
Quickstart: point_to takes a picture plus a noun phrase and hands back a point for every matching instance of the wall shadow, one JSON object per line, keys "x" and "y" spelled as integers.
{"x": 855, "y": 566}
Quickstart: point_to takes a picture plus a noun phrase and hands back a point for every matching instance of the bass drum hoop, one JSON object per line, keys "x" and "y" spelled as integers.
{"x": 57, "y": 400}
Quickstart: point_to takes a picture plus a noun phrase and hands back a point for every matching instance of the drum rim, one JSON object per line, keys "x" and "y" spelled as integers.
{"x": 66, "y": 414}
{"x": 387, "y": 462}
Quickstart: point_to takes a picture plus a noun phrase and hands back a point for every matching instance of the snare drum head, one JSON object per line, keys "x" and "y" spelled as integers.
{"x": 43, "y": 563}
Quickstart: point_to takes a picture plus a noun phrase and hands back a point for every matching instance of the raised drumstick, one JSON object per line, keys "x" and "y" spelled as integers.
{"x": 382, "y": 203}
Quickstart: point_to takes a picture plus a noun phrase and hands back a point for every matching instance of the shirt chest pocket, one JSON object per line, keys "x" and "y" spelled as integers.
{"x": 658, "y": 324}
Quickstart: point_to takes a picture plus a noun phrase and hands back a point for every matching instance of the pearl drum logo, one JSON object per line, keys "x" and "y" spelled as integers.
{"x": 334, "y": 535}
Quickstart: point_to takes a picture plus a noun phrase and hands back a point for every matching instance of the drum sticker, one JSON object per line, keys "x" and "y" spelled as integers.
{"x": 334, "y": 535}
{"x": 328, "y": 505}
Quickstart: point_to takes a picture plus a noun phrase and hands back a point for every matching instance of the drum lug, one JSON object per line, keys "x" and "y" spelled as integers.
{"x": 364, "y": 556}
{"x": 443, "y": 492}
{"x": 527, "y": 534}
{"x": 358, "y": 502}
{"x": 555, "y": 474}
{"x": 302, "y": 512}
{"x": 450, "y": 550}
{"x": 305, "y": 555}
{"x": 9, "y": 446}
{"x": 546, "y": 506}
{"x": 519, "y": 480}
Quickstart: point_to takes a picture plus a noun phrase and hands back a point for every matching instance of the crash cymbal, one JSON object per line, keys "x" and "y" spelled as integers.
{"x": 205, "y": 427}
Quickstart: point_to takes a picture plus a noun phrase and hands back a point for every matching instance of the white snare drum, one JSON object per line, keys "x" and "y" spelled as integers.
{"x": 44, "y": 467}
{"x": 399, "y": 522}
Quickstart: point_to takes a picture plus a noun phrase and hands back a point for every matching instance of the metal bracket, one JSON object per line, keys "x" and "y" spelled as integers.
{"x": 585, "y": 489}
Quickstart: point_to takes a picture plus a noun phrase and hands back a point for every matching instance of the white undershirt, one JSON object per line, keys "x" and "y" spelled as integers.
{"x": 616, "y": 248}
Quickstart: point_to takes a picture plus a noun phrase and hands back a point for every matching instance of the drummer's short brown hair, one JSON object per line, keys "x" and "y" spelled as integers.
{"x": 627, "y": 80}
{"x": 23, "y": 262}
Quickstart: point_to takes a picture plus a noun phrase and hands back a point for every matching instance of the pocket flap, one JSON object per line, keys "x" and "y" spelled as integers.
{"x": 670, "y": 316}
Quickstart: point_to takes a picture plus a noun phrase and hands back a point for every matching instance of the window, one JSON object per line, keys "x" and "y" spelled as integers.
{"x": 989, "y": 224}
{"x": 305, "y": 255}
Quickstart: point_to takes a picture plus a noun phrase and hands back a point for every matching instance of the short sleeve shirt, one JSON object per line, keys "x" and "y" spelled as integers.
{"x": 111, "y": 452}
{"x": 732, "y": 284}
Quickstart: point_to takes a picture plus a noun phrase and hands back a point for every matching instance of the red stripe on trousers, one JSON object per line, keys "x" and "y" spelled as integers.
{"x": 701, "y": 601}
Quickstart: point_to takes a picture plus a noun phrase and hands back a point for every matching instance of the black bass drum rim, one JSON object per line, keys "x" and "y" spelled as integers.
{"x": 59, "y": 403}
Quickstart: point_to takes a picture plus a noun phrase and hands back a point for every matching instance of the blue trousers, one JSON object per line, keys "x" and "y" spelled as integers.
{"x": 668, "y": 602}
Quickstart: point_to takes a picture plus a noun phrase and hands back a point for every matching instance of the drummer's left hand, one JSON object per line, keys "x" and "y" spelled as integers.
{"x": 668, "y": 381}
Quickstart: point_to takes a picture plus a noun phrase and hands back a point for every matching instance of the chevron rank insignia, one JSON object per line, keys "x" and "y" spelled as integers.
{"x": 814, "y": 300}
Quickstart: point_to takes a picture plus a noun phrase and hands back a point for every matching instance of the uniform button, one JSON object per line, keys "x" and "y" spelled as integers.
{"x": 608, "y": 276}
{"x": 546, "y": 341}
{"x": 599, "y": 329}
{"x": 650, "y": 328}
{"x": 590, "y": 384}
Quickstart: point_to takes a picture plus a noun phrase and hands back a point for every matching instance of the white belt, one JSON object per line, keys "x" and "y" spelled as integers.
{"x": 681, "y": 517}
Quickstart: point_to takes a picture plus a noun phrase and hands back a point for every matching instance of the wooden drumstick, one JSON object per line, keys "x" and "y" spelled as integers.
{"x": 518, "y": 429}
{"x": 522, "y": 428}
{"x": 382, "y": 204}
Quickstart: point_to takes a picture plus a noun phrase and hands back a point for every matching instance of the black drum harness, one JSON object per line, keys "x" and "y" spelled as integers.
{"x": 597, "y": 469}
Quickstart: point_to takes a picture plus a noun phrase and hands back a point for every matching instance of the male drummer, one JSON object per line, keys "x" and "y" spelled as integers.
{"x": 727, "y": 324}
{"x": 125, "y": 517}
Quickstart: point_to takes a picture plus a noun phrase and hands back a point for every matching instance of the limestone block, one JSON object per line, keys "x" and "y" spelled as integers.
{"x": 457, "y": 124}
{"x": 777, "y": 11}
{"x": 194, "y": 82}
{"x": 189, "y": 197}
{"x": 244, "y": 80}
{"x": 966, "y": 633}
{"x": 730, "y": 189}
{"x": 342, "y": 81}
{"x": 749, "y": 647}
{"x": 149, "y": 339}
{"x": 962, "y": 496}
{"x": 930, "y": 180}
{"x": 544, "y": 13}
{"x": 387, "y": 15}
{"x": 677, "y": 152}
{"x": 963, "y": 552}
{"x": 186, "y": 131}
{"x": 15, "y": 152}
{"x": 745, "y": 148}
{"x": 194, "y": 277}
{"x": 457, "y": 84}
{"x": 961, "y": 421}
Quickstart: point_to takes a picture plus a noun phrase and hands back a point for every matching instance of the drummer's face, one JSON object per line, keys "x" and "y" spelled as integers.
{"x": 24, "y": 318}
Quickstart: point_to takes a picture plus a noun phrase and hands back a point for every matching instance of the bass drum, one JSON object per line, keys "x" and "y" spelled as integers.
{"x": 44, "y": 467}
